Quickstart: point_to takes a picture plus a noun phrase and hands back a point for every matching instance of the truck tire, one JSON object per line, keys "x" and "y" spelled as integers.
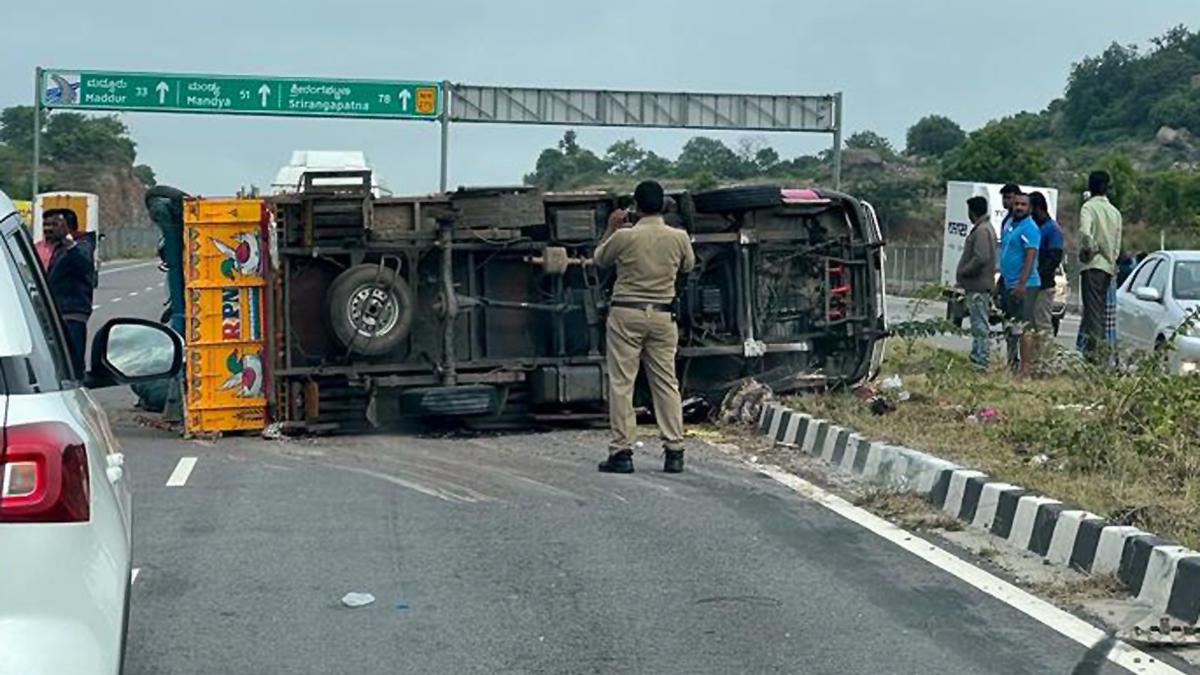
{"x": 736, "y": 199}
{"x": 370, "y": 309}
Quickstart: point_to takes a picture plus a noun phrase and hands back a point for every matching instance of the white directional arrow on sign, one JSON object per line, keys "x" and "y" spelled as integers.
{"x": 405, "y": 95}
{"x": 264, "y": 91}
{"x": 162, "y": 92}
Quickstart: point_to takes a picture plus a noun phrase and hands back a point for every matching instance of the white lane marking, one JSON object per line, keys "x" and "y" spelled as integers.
{"x": 133, "y": 576}
{"x": 182, "y": 470}
{"x": 149, "y": 288}
{"x": 115, "y": 300}
{"x": 132, "y": 293}
{"x": 1066, "y": 624}
{"x": 428, "y": 490}
{"x": 124, "y": 268}
{"x": 160, "y": 284}
{"x": 95, "y": 306}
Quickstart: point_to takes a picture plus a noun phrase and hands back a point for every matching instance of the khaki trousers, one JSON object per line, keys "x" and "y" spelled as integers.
{"x": 643, "y": 336}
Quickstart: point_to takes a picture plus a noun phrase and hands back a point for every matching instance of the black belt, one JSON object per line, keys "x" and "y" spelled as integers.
{"x": 649, "y": 306}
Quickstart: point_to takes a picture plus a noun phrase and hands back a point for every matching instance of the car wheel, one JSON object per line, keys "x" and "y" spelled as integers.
{"x": 370, "y": 309}
{"x": 732, "y": 200}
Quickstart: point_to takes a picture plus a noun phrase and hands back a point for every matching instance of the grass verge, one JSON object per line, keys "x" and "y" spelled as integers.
{"x": 1125, "y": 446}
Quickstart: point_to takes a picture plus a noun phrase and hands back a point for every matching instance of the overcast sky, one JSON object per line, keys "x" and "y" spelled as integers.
{"x": 896, "y": 60}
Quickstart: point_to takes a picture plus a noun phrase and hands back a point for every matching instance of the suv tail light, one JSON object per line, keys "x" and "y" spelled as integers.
{"x": 43, "y": 475}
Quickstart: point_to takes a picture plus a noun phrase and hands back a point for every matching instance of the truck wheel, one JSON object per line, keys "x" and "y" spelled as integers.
{"x": 731, "y": 200}
{"x": 370, "y": 309}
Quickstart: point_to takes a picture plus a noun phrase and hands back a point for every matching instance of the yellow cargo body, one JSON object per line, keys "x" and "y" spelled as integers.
{"x": 226, "y": 419}
{"x": 219, "y": 315}
{"x": 223, "y": 293}
{"x": 223, "y": 211}
{"x": 224, "y": 254}
{"x": 225, "y": 376}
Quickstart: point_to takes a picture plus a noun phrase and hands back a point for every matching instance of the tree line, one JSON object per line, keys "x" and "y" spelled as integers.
{"x": 70, "y": 141}
{"x": 1131, "y": 110}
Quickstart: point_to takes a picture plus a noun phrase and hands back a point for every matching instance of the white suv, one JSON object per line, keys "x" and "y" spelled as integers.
{"x": 65, "y": 512}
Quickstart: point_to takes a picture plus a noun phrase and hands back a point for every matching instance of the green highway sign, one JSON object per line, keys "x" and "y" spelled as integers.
{"x": 239, "y": 94}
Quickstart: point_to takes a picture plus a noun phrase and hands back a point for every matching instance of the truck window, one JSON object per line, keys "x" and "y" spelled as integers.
{"x": 48, "y": 367}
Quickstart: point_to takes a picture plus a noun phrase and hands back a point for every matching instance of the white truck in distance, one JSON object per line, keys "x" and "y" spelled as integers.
{"x": 954, "y": 234}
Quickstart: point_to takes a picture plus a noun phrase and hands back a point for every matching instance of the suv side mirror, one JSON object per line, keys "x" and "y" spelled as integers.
{"x": 128, "y": 351}
{"x": 1147, "y": 294}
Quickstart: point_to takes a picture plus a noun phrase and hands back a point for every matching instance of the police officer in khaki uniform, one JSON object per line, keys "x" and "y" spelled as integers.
{"x": 641, "y": 329}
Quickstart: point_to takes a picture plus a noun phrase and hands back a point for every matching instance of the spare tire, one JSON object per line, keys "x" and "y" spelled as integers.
{"x": 370, "y": 309}
{"x": 737, "y": 199}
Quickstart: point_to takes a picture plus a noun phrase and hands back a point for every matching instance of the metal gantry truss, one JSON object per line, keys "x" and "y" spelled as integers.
{"x": 648, "y": 109}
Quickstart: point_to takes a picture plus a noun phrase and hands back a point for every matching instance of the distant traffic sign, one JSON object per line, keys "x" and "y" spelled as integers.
{"x": 239, "y": 94}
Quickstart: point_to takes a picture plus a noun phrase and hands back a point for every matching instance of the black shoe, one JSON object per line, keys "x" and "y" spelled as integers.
{"x": 618, "y": 462}
{"x": 674, "y": 461}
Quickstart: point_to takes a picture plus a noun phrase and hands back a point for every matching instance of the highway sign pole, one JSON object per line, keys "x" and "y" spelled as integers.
{"x": 837, "y": 141}
{"x": 37, "y": 133}
{"x": 445, "y": 121}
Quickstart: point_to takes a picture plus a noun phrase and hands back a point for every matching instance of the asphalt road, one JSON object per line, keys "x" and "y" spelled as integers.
{"x": 511, "y": 554}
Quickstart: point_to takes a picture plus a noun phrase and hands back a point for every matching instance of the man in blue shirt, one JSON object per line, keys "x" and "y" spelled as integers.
{"x": 1018, "y": 267}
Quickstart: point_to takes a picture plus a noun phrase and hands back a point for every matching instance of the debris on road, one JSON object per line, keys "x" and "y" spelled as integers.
{"x": 1165, "y": 632}
{"x": 273, "y": 431}
{"x": 744, "y": 403}
{"x": 356, "y": 600}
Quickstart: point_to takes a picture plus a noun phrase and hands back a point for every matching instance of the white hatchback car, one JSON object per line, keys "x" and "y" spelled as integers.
{"x": 65, "y": 511}
{"x": 1155, "y": 301}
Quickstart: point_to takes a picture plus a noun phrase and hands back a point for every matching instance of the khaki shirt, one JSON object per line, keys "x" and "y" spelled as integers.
{"x": 648, "y": 257}
{"x": 1100, "y": 231}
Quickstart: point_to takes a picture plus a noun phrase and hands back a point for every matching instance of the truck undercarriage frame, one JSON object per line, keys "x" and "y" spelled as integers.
{"x": 482, "y": 306}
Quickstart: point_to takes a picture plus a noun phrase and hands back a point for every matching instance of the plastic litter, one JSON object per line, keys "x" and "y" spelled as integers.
{"x": 893, "y": 382}
{"x": 355, "y": 600}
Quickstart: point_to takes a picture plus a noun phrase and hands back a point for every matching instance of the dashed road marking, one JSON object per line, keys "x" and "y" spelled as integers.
{"x": 150, "y": 288}
{"x": 132, "y": 293}
{"x": 182, "y": 470}
{"x": 95, "y": 306}
{"x": 123, "y": 268}
{"x": 134, "y": 575}
{"x": 115, "y": 300}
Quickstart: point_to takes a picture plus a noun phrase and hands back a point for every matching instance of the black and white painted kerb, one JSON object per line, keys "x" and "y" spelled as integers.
{"x": 1162, "y": 575}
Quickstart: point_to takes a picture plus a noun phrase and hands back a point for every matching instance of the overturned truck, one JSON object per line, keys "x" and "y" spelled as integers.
{"x": 481, "y": 305}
